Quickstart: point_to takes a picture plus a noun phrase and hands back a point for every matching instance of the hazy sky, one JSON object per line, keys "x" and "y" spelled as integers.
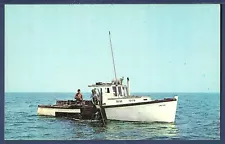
{"x": 162, "y": 48}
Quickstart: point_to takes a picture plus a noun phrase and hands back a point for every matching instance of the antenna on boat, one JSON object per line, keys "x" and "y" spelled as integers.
{"x": 112, "y": 57}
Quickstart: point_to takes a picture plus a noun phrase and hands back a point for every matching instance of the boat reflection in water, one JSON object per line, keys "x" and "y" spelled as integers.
{"x": 118, "y": 130}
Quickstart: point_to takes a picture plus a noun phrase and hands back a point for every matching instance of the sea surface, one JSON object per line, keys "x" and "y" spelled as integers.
{"x": 197, "y": 118}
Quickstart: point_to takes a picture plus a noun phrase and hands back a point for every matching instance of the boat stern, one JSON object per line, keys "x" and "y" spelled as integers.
{"x": 45, "y": 111}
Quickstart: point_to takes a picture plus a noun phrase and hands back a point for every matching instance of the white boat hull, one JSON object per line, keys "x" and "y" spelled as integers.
{"x": 152, "y": 112}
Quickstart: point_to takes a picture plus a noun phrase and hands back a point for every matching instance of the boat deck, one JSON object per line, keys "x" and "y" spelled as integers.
{"x": 69, "y": 104}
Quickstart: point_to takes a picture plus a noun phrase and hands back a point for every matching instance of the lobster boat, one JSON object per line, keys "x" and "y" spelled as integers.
{"x": 114, "y": 102}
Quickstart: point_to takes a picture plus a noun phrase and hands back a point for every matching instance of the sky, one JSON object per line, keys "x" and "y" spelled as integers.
{"x": 161, "y": 48}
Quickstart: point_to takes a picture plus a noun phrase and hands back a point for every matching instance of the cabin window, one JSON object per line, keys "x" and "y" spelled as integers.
{"x": 124, "y": 91}
{"x": 114, "y": 91}
{"x": 127, "y": 91}
{"x": 107, "y": 90}
{"x": 120, "y": 91}
{"x": 100, "y": 91}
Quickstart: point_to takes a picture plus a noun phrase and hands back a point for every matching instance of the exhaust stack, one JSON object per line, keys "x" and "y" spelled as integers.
{"x": 128, "y": 86}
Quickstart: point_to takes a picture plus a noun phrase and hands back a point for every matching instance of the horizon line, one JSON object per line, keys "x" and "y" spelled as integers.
{"x": 90, "y": 92}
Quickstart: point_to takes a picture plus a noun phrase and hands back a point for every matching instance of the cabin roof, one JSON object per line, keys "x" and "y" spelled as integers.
{"x": 104, "y": 85}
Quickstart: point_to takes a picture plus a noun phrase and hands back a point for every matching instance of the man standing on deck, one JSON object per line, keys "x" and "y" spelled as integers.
{"x": 78, "y": 96}
{"x": 94, "y": 96}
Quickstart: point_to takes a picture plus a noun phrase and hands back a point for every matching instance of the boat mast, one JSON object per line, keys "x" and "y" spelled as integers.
{"x": 112, "y": 56}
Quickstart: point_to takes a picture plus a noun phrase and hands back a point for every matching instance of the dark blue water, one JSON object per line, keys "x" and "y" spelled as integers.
{"x": 198, "y": 117}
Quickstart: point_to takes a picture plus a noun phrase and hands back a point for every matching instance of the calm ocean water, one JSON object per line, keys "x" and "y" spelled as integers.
{"x": 198, "y": 118}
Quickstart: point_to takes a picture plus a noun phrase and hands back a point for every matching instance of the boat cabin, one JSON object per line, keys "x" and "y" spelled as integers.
{"x": 115, "y": 88}
{"x": 105, "y": 92}
{"x": 110, "y": 90}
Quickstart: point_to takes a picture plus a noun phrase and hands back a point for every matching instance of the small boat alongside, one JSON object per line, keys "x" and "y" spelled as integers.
{"x": 113, "y": 101}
